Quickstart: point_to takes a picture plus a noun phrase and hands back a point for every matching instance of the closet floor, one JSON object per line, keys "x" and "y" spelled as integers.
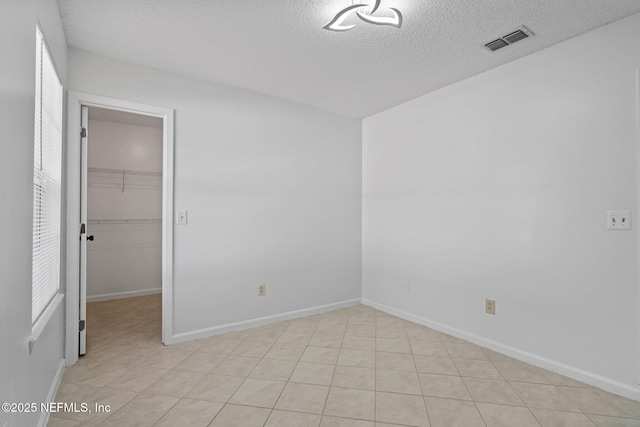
{"x": 354, "y": 367}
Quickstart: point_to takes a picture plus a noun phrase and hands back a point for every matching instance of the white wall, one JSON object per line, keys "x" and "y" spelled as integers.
{"x": 497, "y": 187}
{"x": 124, "y": 259}
{"x": 273, "y": 191}
{"x": 23, "y": 377}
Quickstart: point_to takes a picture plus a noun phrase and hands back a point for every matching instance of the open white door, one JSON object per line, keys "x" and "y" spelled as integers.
{"x": 83, "y": 230}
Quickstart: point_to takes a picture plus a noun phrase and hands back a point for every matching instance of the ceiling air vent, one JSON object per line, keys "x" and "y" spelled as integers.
{"x": 496, "y": 44}
{"x": 513, "y": 37}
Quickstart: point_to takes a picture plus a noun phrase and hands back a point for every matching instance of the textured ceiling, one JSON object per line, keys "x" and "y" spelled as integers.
{"x": 278, "y": 47}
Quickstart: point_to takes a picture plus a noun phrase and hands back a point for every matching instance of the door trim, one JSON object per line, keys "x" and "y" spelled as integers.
{"x": 75, "y": 101}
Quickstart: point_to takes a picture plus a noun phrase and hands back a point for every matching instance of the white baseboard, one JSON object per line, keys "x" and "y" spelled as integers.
{"x": 534, "y": 359}
{"x": 44, "y": 416}
{"x": 230, "y": 327}
{"x": 119, "y": 295}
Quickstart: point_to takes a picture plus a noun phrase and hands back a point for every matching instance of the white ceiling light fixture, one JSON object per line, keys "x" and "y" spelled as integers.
{"x": 360, "y": 9}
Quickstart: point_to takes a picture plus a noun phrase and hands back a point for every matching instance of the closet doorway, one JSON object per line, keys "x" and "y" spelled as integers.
{"x": 123, "y": 225}
{"x": 120, "y": 185}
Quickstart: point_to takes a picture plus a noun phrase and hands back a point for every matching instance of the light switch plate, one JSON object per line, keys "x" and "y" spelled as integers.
{"x": 182, "y": 218}
{"x": 619, "y": 220}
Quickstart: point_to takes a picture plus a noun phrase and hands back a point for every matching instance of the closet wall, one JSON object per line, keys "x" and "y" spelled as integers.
{"x": 124, "y": 205}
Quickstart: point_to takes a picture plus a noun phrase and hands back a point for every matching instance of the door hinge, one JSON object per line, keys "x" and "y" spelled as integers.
{"x": 81, "y": 325}
{"x": 83, "y": 230}
{"x": 83, "y": 132}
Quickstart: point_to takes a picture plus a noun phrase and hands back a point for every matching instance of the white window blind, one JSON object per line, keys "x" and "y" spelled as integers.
{"x": 47, "y": 172}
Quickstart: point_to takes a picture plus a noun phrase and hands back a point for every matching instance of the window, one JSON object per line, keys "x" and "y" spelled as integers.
{"x": 47, "y": 175}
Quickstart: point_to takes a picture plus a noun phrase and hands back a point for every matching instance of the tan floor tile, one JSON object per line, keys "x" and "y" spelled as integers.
{"x": 175, "y": 383}
{"x": 143, "y": 410}
{"x": 549, "y": 418}
{"x": 324, "y": 355}
{"x": 95, "y": 375}
{"x": 392, "y": 345}
{"x": 354, "y": 377}
{"x": 631, "y": 404}
{"x": 557, "y": 379}
{"x": 328, "y": 421}
{"x": 165, "y": 358}
{"x": 326, "y": 340}
{"x": 303, "y": 398}
{"x": 435, "y": 365}
{"x": 451, "y": 339}
{"x": 522, "y": 372}
{"x": 273, "y": 369}
{"x": 395, "y": 361}
{"x": 602, "y": 421}
{"x": 401, "y": 409}
{"x": 351, "y": 403}
{"x": 189, "y": 346}
{"x": 257, "y": 392}
{"x": 492, "y": 391}
{"x": 192, "y": 413}
{"x": 429, "y": 348}
{"x": 361, "y": 330}
{"x": 72, "y": 393}
{"x": 465, "y": 351}
{"x": 215, "y": 388}
{"x": 252, "y": 349}
{"x": 506, "y": 416}
{"x": 452, "y": 413}
{"x": 122, "y": 362}
{"x": 543, "y": 396}
{"x": 597, "y": 402}
{"x": 236, "y": 365}
{"x": 60, "y": 422}
{"x": 445, "y": 386}
{"x": 389, "y": 321}
{"x": 285, "y": 352}
{"x": 361, "y": 358}
{"x": 397, "y": 382}
{"x": 494, "y": 356}
{"x": 137, "y": 378}
{"x": 422, "y": 333}
{"x": 362, "y": 320}
{"x": 391, "y": 332}
{"x": 240, "y": 416}
{"x": 477, "y": 369}
{"x": 295, "y": 337}
{"x": 313, "y": 373}
{"x": 292, "y": 419}
{"x": 359, "y": 343}
{"x": 200, "y": 362}
{"x": 220, "y": 346}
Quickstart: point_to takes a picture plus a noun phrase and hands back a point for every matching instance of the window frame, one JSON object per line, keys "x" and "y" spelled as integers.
{"x": 41, "y": 319}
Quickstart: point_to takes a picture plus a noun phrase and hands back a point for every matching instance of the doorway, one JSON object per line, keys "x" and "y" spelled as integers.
{"x": 119, "y": 218}
{"x": 123, "y": 224}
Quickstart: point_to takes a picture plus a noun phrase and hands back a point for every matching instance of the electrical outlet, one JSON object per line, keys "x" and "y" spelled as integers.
{"x": 262, "y": 290}
{"x": 490, "y": 306}
{"x": 619, "y": 220}
{"x": 406, "y": 287}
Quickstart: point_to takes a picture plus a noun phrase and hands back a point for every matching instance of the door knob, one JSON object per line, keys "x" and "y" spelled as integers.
{"x": 90, "y": 238}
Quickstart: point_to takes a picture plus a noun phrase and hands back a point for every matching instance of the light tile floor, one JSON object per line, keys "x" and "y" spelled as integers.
{"x": 355, "y": 367}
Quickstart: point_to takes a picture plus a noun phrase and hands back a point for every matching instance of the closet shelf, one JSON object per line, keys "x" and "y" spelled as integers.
{"x": 124, "y": 221}
{"x": 119, "y": 178}
{"x": 124, "y": 171}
